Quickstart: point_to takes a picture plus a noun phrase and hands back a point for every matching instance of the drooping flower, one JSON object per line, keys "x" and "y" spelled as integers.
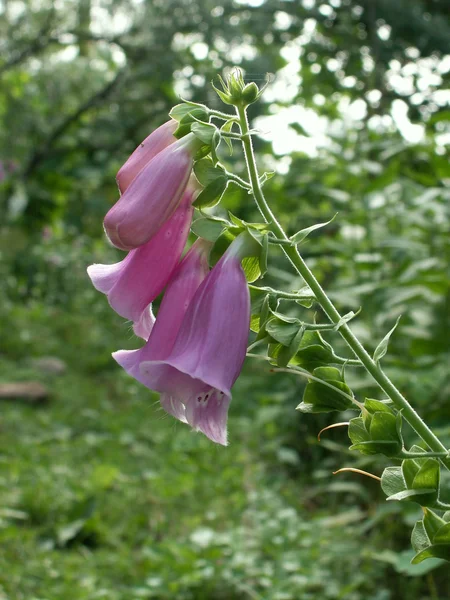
{"x": 184, "y": 282}
{"x": 157, "y": 141}
{"x": 152, "y": 196}
{"x": 197, "y": 375}
{"x": 133, "y": 283}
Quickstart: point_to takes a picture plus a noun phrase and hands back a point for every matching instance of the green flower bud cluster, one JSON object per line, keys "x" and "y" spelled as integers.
{"x": 236, "y": 92}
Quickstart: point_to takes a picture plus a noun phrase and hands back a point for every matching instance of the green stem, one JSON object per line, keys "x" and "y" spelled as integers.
{"x": 222, "y": 115}
{"x": 406, "y": 454}
{"x": 231, "y": 135}
{"x": 328, "y": 307}
{"x": 238, "y": 180}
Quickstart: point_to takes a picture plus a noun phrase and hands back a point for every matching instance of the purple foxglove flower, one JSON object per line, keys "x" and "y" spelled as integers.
{"x": 184, "y": 282}
{"x": 157, "y": 141}
{"x": 132, "y": 284}
{"x": 208, "y": 353}
{"x": 153, "y": 195}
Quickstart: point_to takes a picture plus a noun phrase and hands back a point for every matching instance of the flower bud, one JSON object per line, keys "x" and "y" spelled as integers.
{"x": 152, "y": 197}
{"x": 153, "y": 144}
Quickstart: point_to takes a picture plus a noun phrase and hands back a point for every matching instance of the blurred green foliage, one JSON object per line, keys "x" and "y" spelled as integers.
{"x": 101, "y": 496}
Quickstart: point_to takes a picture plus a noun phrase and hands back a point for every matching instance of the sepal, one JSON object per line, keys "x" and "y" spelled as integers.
{"x": 186, "y": 114}
{"x": 377, "y": 431}
{"x": 417, "y": 480}
{"x": 331, "y": 395}
{"x": 431, "y": 537}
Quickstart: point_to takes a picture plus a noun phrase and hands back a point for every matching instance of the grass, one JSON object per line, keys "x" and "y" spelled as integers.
{"x": 104, "y": 496}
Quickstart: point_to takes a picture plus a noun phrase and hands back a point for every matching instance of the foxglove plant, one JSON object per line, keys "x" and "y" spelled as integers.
{"x": 196, "y": 348}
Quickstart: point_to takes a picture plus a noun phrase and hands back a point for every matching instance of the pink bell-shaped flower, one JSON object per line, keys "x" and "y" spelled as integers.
{"x": 133, "y": 283}
{"x": 152, "y": 196}
{"x": 185, "y": 281}
{"x": 157, "y": 141}
{"x": 196, "y": 377}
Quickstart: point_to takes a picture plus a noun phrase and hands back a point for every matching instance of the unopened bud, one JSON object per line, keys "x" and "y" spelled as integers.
{"x": 250, "y": 93}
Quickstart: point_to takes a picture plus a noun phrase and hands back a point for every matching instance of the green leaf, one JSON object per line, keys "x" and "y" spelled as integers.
{"x": 180, "y": 111}
{"x": 380, "y": 436}
{"x": 373, "y": 406}
{"x": 298, "y": 237}
{"x": 376, "y": 447}
{"x": 320, "y": 398}
{"x": 227, "y": 127}
{"x": 212, "y": 193}
{"x": 185, "y": 122}
{"x": 251, "y": 267}
{"x": 311, "y": 357}
{"x": 204, "y": 131}
{"x": 206, "y": 172}
{"x": 433, "y": 524}
{"x": 356, "y": 431}
{"x": 208, "y": 229}
{"x": 286, "y": 353}
{"x": 442, "y": 536}
{"x": 345, "y": 319}
{"x": 265, "y": 177}
{"x": 328, "y": 374}
{"x": 413, "y": 495}
{"x": 382, "y": 347}
{"x": 283, "y": 331}
{"x": 409, "y": 469}
{"x": 220, "y": 246}
{"x": 263, "y": 256}
{"x": 384, "y": 427}
{"x": 435, "y": 551}
{"x": 428, "y": 475}
{"x": 419, "y": 537}
{"x": 258, "y": 321}
{"x": 392, "y": 481}
{"x": 324, "y": 398}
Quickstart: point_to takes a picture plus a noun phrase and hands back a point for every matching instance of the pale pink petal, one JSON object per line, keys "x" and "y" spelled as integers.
{"x": 157, "y": 141}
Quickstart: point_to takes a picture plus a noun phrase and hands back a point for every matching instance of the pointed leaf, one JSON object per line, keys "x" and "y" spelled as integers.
{"x": 418, "y": 496}
{"x": 328, "y": 373}
{"x": 286, "y": 353}
{"x": 204, "y": 131}
{"x": 356, "y": 431}
{"x": 383, "y": 427}
{"x": 206, "y": 172}
{"x": 319, "y": 397}
{"x": 282, "y": 331}
{"x": 409, "y": 469}
{"x": 428, "y": 475}
{"x": 435, "y": 551}
{"x": 212, "y": 193}
{"x": 227, "y": 127}
{"x": 419, "y": 537}
{"x": 181, "y": 110}
{"x": 251, "y": 267}
{"x": 433, "y": 523}
{"x": 442, "y": 536}
{"x": 382, "y": 347}
{"x": 208, "y": 229}
{"x": 298, "y": 237}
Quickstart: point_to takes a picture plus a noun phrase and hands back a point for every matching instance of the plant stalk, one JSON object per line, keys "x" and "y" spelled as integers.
{"x": 292, "y": 253}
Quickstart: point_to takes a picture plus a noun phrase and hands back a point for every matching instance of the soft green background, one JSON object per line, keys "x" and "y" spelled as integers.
{"x": 102, "y": 495}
